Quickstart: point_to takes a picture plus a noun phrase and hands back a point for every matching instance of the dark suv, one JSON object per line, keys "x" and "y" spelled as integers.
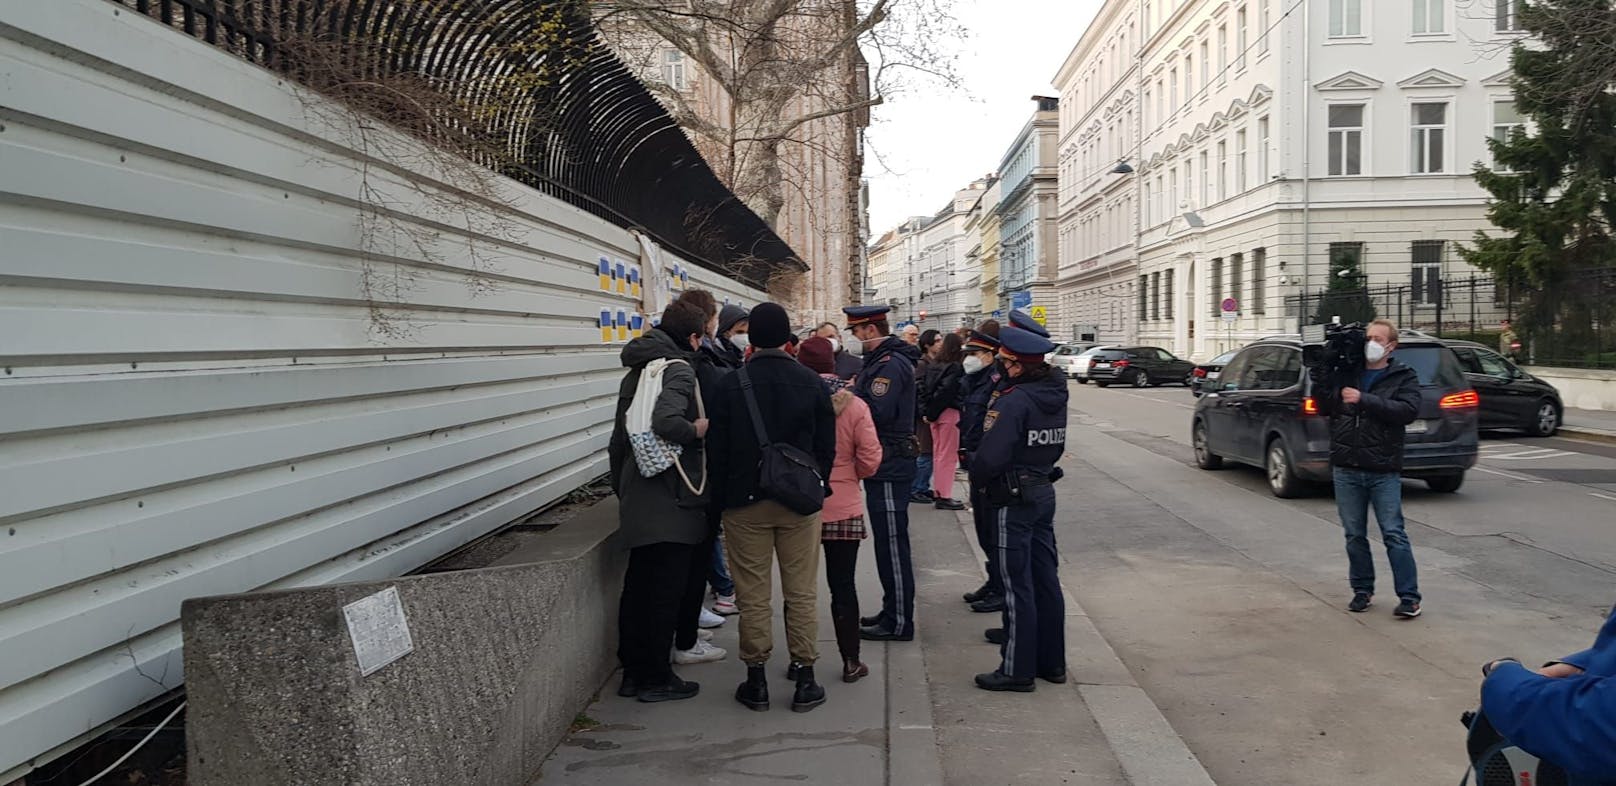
{"x": 1261, "y": 412}
{"x": 1510, "y": 397}
{"x": 1138, "y": 366}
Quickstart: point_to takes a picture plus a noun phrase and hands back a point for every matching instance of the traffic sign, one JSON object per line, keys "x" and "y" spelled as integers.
{"x": 1040, "y": 315}
{"x": 1229, "y": 305}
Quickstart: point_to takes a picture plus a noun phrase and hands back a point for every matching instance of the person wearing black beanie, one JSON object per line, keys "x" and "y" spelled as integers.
{"x": 770, "y": 326}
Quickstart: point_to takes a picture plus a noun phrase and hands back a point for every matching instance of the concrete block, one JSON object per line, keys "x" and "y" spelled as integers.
{"x": 503, "y": 660}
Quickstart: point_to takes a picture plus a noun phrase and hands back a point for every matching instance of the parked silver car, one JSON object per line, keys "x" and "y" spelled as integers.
{"x": 1064, "y": 358}
{"x": 1080, "y": 364}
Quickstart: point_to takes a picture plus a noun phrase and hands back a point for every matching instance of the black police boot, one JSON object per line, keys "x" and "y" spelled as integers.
{"x": 875, "y": 619}
{"x": 884, "y": 631}
{"x": 810, "y": 694}
{"x": 754, "y": 693}
{"x": 979, "y": 593}
{"x": 998, "y": 680}
{"x": 1056, "y": 675}
{"x": 944, "y": 503}
{"x": 995, "y": 636}
{"x": 989, "y": 604}
{"x": 672, "y": 689}
{"x": 630, "y": 687}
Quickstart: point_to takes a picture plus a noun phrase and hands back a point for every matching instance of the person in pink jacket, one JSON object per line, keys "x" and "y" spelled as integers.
{"x": 858, "y": 456}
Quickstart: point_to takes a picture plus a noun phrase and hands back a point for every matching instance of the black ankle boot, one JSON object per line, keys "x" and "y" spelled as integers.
{"x": 810, "y": 694}
{"x": 754, "y": 693}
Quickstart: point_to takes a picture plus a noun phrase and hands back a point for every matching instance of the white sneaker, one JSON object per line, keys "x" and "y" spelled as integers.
{"x": 704, "y": 635}
{"x": 725, "y": 605}
{"x": 709, "y": 620}
{"x": 701, "y": 653}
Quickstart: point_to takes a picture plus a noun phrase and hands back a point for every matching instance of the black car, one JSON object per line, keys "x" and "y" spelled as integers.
{"x": 1207, "y": 373}
{"x": 1510, "y": 397}
{"x": 1262, "y": 412}
{"x": 1139, "y": 367}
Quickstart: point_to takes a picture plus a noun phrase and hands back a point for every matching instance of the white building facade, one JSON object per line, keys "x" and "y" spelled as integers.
{"x": 923, "y": 267}
{"x": 1027, "y": 217}
{"x": 1272, "y": 136}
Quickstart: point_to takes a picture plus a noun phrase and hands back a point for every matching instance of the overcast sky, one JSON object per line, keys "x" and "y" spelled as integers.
{"x": 925, "y": 146}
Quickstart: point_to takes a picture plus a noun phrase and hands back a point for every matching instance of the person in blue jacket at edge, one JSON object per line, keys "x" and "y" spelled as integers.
{"x": 1565, "y": 712}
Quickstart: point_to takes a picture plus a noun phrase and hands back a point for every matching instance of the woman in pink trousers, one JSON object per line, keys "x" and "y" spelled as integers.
{"x": 858, "y": 456}
{"x": 942, "y": 397}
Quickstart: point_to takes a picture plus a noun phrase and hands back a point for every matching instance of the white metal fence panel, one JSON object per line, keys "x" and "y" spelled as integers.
{"x": 238, "y": 354}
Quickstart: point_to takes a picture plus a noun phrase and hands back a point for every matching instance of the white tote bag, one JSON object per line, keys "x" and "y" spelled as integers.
{"x": 653, "y": 454}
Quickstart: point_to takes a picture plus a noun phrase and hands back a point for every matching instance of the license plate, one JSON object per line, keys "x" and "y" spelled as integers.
{"x": 1417, "y": 427}
{"x": 1102, "y": 365}
{"x": 1211, "y": 375}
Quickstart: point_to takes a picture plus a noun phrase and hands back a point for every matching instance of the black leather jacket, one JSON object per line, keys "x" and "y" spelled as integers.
{"x": 1369, "y": 435}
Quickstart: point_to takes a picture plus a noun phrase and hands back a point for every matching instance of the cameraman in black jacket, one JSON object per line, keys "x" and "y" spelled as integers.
{"x": 1367, "y": 423}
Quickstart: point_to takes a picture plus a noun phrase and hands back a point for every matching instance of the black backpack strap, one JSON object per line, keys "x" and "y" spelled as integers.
{"x": 752, "y": 407}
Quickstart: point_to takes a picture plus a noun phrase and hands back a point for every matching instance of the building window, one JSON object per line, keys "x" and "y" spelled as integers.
{"x": 1189, "y": 184}
{"x": 1240, "y": 161}
{"x": 1155, "y": 295}
{"x": 1147, "y": 105}
{"x": 1240, "y": 39}
{"x": 1167, "y": 295}
{"x": 1189, "y": 78}
{"x": 1346, "y": 18}
{"x": 1507, "y": 15}
{"x": 1147, "y": 203}
{"x": 1429, "y": 124}
{"x": 1259, "y": 281}
{"x": 1149, "y": 7}
{"x": 1173, "y": 202}
{"x": 1161, "y": 95}
{"x": 1262, "y": 150}
{"x": 1428, "y": 17}
{"x": 1237, "y": 264}
{"x": 1172, "y": 79}
{"x": 673, "y": 69}
{"x": 1223, "y": 54}
{"x": 1506, "y": 121}
{"x": 1346, "y": 139}
{"x": 1206, "y": 179}
{"x": 1215, "y": 286}
{"x": 1164, "y": 207}
{"x": 1263, "y": 25}
{"x": 1427, "y": 271}
{"x": 1223, "y": 171}
{"x": 1144, "y": 292}
{"x": 1206, "y": 65}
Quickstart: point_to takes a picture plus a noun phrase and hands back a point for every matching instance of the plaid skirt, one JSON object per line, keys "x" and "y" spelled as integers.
{"x": 846, "y": 529}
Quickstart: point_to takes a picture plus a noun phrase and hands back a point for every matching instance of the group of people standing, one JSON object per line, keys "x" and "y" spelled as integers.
{"x": 737, "y": 388}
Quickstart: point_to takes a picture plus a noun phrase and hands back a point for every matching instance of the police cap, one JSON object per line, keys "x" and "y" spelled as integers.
{"x": 981, "y": 342}
{"x": 1023, "y": 345}
{"x": 1023, "y": 320}
{"x": 865, "y": 315}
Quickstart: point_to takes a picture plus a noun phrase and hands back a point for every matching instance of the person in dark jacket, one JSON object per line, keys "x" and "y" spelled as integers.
{"x": 662, "y": 520}
{"x": 1023, "y": 437}
{"x": 795, "y": 409}
{"x": 847, "y": 366}
{"x": 1366, "y": 456}
{"x": 1565, "y": 712}
{"x": 941, "y": 415}
{"x": 921, "y": 490}
{"x": 887, "y": 384}
{"x": 731, "y": 337}
{"x": 981, "y": 382}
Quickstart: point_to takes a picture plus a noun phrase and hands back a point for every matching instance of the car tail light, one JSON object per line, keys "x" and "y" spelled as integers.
{"x": 1092, "y": 361}
{"x": 1199, "y": 372}
{"x": 1119, "y": 364}
{"x": 1310, "y": 406}
{"x": 1464, "y": 399}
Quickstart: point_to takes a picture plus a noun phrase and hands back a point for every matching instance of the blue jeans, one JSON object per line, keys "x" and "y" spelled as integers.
{"x": 718, "y": 572}
{"x": 922, "y": 482}
{"x": 1355, "y": 492}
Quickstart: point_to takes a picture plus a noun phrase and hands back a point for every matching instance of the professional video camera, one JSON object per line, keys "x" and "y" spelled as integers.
{"x": 1334, "y": 354}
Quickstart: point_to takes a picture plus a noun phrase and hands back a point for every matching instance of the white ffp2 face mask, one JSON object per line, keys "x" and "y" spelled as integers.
{"x": 974, "y": 364}
{"x": 1374, "y": 351}
{"x": 855, "y": 348}
{"x": 740, "y": 341}
{"x": 835, "y": 346}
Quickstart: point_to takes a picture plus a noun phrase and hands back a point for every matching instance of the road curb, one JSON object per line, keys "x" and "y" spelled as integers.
{"x": 912, "y": 752}
{"x": 1588, "y": 434}
{"x": 1150, "y": 752}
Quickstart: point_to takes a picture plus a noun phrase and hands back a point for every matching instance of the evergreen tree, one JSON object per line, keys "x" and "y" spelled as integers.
{"x": 1554, "y": 186}
{"x": 1345, "y": 295}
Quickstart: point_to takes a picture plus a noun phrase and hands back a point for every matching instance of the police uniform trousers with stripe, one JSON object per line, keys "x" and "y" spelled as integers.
{"x": 888, "y": 502}
{"x": 987, "y": 536}
{"x": 1034, "y": 609}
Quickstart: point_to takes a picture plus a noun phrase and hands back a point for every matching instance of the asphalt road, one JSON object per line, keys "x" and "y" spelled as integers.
{"x": 1227, "y": 604}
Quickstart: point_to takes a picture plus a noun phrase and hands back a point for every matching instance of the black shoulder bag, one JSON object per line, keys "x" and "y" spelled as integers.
{"x": 786, "y": 473}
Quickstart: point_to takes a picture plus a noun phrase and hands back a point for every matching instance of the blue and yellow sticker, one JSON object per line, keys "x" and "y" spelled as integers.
{"x": 636, "y": 324}
{"x": 606, "y": 324}
{"x": 622, "y": 325}
{"x": 634, "y": 281}
{"x": 605, "y": 274}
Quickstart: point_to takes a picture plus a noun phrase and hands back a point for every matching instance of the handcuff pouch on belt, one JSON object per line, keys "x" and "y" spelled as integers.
{"x": 1011, "y": 487}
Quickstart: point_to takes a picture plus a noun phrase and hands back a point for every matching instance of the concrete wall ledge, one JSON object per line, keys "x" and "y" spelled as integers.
{"x": 1582, "y": 388}
{"x": 504, "y": 658}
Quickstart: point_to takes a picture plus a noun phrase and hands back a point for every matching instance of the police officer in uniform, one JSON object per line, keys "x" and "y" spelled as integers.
{"x": 887, "y": 384}
{"x": 1023, "y": 436}
{"x": 983, "y": 376}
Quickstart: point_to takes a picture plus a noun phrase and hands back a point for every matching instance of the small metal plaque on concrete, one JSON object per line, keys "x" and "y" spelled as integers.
{"x": 378, "y": 629}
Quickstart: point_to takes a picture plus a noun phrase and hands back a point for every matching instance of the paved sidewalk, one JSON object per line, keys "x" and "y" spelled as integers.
{"x": 1591, "y": 423}
{"x": 917, "y": 719}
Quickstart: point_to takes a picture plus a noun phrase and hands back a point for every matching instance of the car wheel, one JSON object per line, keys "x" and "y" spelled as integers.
{"x": 1204, "y": 457}
{"x": 1547, "y": 421}
{"x": 1100, "y": 384}
{"x": 1282, "y": 479}
{"x": 1082, "y": 380}
{"x": 1445, "y": 484}
{"x": 1141, "y": 379}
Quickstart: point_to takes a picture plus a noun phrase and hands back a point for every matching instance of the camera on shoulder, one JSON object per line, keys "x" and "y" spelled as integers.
{"x": 1334, "y": 353}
